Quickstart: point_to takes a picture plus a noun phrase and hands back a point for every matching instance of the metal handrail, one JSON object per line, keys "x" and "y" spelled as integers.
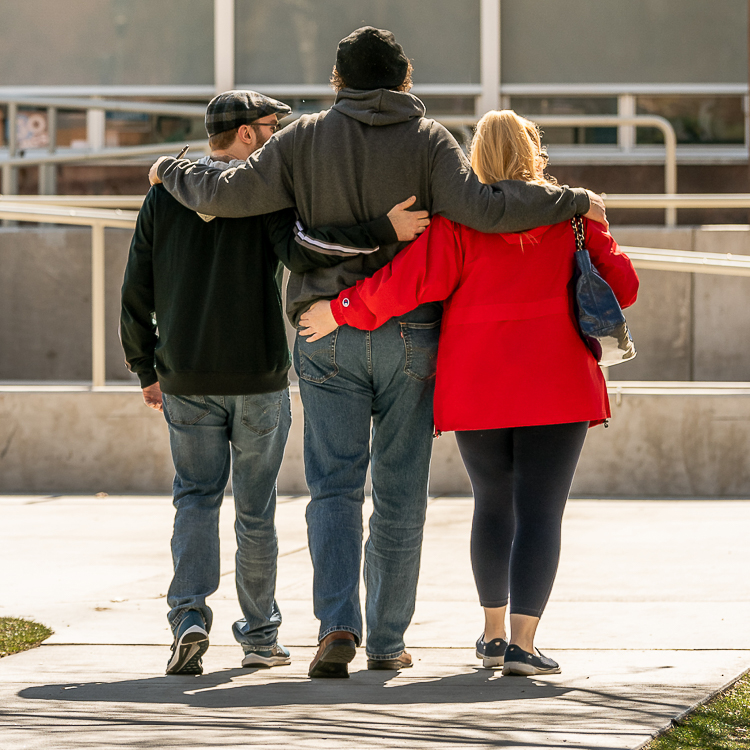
{"x": 681, "y": 200}
{"x": 20, "y": 211}
{"x": 99, "y": 219}
{"x": 126, "y": 152}
{"x": 647, "y": 121}
{"x": 304, "y": 90}
{"x": 12, "y": 162}
{"x": 78, "y": 201}
{"x": 53, "y": 104}
{"x": 618, "y": 200}
{"x": 108, "y": 105}
{"x": 688, "y": 261}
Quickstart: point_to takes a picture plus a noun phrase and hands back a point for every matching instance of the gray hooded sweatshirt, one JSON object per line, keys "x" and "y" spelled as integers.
{"x": 354, "y": 162}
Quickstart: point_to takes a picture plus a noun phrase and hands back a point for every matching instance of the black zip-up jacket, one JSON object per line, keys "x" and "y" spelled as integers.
{"x": 201, "y": 299}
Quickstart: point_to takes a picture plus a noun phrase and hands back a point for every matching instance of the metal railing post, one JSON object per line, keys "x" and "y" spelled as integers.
{"x": 489, "y": 57}
{"x": 670, "y": 172}
{"x": 626, "y": 133}
{"x": 670, "y": 142}
{"x": 96, "y": 124}
{"x": 223, "y": 45}
{"x": 48, "y": 172}
{"x": 98, "y": 341}
{"x": 10, "y": 173}
{"x": 611, "y": 121}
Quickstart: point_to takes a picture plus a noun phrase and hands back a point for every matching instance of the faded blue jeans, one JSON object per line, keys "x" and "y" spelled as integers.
{"x": 205, "y": 431}
{"x": 352, "y": 382}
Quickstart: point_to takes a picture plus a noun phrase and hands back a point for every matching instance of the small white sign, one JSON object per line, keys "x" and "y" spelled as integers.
{"x": 31, "y": 128}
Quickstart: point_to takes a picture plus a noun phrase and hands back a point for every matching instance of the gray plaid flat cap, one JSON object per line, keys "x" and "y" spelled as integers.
{"x": 234, "y": 108}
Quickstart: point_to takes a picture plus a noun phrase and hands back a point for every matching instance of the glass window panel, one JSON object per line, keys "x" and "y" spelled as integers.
{"x": 71, "y": 127}
{"x": 135, "y": 129}
{"x": 294, "y": 41}
{"x": 696, "y": 119}
{"x": 106, "y": 42}
{"x": 528, "y": 106}
{"x": 624, "y": 41}
{"x": 449, "y": 105}
{"x": 308, "y": 105}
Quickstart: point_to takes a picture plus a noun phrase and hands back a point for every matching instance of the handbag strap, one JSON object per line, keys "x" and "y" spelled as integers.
{"x": 577, "y": 222}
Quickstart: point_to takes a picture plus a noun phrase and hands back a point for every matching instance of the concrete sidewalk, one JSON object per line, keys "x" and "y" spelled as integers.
{"x": 648, "y": 616}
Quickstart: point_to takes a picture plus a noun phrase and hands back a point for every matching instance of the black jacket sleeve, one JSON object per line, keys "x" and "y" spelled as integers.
{"x": 301, "y": 249}
{"x": 137, "y": 325}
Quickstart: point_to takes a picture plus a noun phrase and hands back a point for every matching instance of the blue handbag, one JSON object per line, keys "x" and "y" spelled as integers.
{"x": 600, "y": 320}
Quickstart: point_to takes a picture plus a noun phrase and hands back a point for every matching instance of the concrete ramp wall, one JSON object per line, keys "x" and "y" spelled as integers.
{"x": 686, "y": 326}
{"x": 665, "y": 440}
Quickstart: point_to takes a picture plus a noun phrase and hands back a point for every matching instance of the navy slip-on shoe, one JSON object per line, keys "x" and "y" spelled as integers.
{"x": 492, "y": 654}
{"x": 518, "y": 661}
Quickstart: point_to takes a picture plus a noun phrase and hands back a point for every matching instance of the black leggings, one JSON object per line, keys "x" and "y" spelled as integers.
{"x": 521, "y": 478}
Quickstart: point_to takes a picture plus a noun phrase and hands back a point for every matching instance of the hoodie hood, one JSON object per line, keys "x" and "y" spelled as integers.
{"x": 379, "y": 106}
{"x": 220, "y": 163}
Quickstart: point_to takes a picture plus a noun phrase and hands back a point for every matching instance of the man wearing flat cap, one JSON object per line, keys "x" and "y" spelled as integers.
{"x": 367, "y": 395}
{"x": 217, "y": 367}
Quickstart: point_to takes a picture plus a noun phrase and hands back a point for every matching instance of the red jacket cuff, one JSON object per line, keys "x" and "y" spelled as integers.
{"x": 338, "y": 312}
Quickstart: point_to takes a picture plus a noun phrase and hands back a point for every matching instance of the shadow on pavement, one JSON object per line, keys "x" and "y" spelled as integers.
{"x": 477, "y": 709}
{"x": 224, "y": 690}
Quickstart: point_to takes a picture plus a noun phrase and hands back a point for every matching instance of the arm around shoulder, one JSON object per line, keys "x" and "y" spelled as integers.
{"x": 259, "y": 185}
{"x": 301, "y": 249}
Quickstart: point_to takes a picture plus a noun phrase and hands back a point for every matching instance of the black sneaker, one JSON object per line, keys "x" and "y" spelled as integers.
{"x": 492, "y": 654}
{"x": 190, "y": 643}
{"x": 518, "y": 661}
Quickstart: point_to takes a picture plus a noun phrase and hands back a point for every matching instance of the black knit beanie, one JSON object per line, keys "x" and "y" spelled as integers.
{"x": 371, "y": 58}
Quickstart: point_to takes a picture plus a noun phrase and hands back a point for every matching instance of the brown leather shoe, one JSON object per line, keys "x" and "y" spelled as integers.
{"x": 402, "y": 661}
{"x": 335, "y": 652}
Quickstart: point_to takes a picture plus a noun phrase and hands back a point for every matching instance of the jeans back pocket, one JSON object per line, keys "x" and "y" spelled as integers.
{"x": 317, "y": 359}
{"x": 261, "y": 411}
{"x": 185, "y": 409}
{"x": 421, "y": 342}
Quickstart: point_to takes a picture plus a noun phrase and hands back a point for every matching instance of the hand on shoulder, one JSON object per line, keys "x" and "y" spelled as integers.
{"x": 153, "y": 177}
{"x": 597, "y": 210}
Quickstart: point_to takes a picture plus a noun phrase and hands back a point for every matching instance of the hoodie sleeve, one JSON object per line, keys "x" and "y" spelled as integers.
{"x": 428, "y": 270}
{"x": 301, "y": 249}
{"x": 137, "y": 327}
{"x": 236, "y": 191}
{"x": 508, "y": 206}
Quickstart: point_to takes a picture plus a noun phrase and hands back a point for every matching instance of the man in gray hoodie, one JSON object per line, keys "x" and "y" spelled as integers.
{"x": 367, "y": 395}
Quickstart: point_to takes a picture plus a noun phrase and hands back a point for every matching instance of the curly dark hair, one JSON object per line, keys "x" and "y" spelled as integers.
{"x": 338, "y": 83}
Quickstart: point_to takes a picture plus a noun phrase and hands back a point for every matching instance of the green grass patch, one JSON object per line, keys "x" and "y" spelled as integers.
{"x": 721, "y": 724}
{"x": 20, "y": 635}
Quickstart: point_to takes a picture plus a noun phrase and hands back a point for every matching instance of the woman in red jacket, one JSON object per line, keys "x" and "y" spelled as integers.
{"x": 514, "y": 378}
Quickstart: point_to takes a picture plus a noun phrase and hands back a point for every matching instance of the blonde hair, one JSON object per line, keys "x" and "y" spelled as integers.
{"x": 508, "y": 147}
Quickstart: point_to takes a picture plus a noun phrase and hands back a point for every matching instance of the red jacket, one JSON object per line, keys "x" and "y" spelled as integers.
{"x": 510, "y": 354}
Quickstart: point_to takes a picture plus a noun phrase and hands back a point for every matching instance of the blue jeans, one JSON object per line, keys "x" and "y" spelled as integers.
{"x": 204, "y": 432}
{"x": 349, "y": 381}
